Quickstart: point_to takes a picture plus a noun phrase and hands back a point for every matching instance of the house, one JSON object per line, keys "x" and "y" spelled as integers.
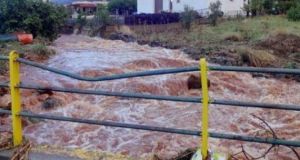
{"x": 157, "y": 6}
{"x": 87, "y": 7}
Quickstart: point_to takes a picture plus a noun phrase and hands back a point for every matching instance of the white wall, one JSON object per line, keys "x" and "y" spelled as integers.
{"x": 145, "y": 6}
{"x": 148, "y": 6}
{"x": 230, "y": 6}
{"x": 195, "y": 4}
{"x": 166, "y": 4}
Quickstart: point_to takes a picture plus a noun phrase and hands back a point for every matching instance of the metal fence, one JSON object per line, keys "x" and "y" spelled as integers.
{"x": 15, "y": 85}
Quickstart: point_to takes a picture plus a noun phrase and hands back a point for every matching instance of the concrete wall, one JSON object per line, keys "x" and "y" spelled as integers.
{"x": 145, "y": 6}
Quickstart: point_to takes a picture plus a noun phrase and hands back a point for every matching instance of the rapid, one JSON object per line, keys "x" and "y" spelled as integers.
{"x": 93, "y": 57}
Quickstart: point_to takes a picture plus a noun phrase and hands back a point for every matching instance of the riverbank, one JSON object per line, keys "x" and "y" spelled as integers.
{"x": 268, "y": 41}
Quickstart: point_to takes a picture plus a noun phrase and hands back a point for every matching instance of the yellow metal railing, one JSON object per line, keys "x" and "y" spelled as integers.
{"x": 205, "y": 103}
{"x": 14, "y": 67}
{"x": 16, "y": 102}
{"x": 14, "y": 73}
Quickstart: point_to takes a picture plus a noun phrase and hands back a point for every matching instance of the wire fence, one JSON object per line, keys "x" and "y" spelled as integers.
{"x": 16, "y": 113}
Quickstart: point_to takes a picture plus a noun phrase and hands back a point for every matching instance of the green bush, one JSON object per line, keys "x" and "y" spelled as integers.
{"x": 32, "y": 16}
{"x": 122, "y": 6}
{"x": 293, "y": 14}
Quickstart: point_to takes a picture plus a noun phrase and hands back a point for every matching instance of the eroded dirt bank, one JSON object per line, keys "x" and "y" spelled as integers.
{"x": 96, "y": 57}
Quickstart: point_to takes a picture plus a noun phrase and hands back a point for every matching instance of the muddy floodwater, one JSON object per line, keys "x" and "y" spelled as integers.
{"x": 93, "y": 57}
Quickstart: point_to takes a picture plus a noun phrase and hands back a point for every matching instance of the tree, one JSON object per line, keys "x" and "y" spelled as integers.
{"x": 81, "y": 21}
{"x": 284, "y": 5}
{"x": 33, "y": 16}
{"x": 293, "y": 13}
{"x": 187, "y": 17}
{"x": 122, "y": 6}
{"x": 258, "y": 7}
{"x": 101, "y": 20}
{"x": 215, "y": 9}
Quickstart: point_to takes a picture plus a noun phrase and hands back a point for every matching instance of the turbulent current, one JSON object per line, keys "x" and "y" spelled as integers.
{"x": 94, "y": 57}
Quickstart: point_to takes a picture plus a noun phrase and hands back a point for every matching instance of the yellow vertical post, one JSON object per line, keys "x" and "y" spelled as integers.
{"x": 205, "y": 103}
{"x": 14, "y": 72}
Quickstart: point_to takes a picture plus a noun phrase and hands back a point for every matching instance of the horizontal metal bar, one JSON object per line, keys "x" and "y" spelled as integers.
{"x": 117, "y": 94}
{"x": 3, "y": 58}
{"x": 289, "y": 107}
{"x": 160, "y": 71}
{"x": 161, "y": 129}
{"x": 4, "y": 85}
{"x": 111, "y": 77}
{"x": 167, "y": 98}
{"x": 255, "y": 70}
{"x": 4, "y": 111}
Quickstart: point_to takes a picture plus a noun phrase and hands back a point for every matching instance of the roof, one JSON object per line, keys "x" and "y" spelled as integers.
{"x": 89, "y": 2}
{"x": 87, "y": 5}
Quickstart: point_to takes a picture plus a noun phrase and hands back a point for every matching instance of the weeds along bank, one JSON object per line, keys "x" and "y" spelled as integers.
{"x": 261, "y": 41}
{"x": 39, "y": 51}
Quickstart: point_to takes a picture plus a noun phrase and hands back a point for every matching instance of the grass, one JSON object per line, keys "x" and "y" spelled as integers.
{"x": 249, "y": 30}
{"x": 38, "y": 49}
{"x": 228, "y": 35}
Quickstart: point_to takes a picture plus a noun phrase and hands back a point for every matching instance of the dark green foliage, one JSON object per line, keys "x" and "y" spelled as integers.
{"x": 284, "y": 5}
{"x": 268, "y": 6}
{"x": 32, "y": 16}
{"x": 123, "y": 7}
{"x": 187, "y": 17}
{"x": 259, "y": 7}
{"x": 215, "y": 9}
{"x": 294, "y": 13}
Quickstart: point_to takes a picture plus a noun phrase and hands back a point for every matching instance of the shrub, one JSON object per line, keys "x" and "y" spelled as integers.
{"x": 148, "y": 19}
{"x": 291, "y": 65}
{"x": 122, "y": 6}
{"x": 187, "y": 17}
{"x": 257, "y": 58}
{"x": 293, "y": 13}
{"x": 36, "y": 17}
{"x": 233, "y": 37}
{"x": 41, "y": 50}
{"x": 215, "y": 9}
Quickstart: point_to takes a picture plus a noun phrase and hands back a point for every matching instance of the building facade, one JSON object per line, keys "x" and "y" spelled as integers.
{"x": 157, "y": 6}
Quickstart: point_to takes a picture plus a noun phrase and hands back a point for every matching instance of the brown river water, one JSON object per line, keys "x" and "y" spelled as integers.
{"x": 95, "y": 57}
